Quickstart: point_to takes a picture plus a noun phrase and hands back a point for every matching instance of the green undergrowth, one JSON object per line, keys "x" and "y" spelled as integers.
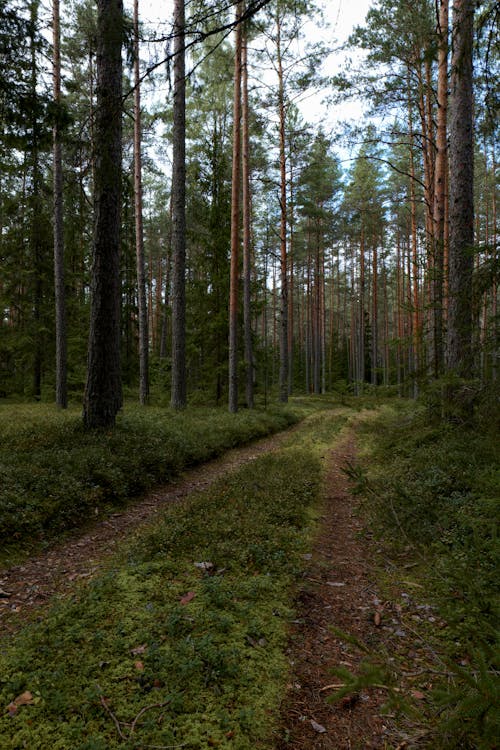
{"x": 54, "y": 475}
{"x": 181, "y": 642}
{"x": 432, "y": 490}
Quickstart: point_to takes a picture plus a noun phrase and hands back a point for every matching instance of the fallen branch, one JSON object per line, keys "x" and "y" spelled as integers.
{"x": 332, "y": 687}
{"x": 115, "y": 720}
{"x": 143, "y": 711}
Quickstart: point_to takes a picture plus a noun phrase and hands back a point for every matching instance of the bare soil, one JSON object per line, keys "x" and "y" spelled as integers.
{"x": 339, "y": 590}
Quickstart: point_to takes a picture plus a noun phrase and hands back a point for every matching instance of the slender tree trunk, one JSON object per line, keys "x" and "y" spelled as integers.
{"x": 283, "y": 377}
{"x": 374, "y": 373}
{"x": 459, "y": 355}
{"x": 440, "y": 185}
{"x": 291, "y": 286}
{"x": 178, "y": 396}
{"x": 235, "y": 221}
{"x": 36, "y": 241}
{"x": 103, "y": 390}
{"x": 415, "y": 301}
{"x": 494, "y": 290}
{"x": 59, "y": 285}
{"x": 246, "y": 197}
{"x": 139, "y": 231}
{"x": 361, "y": 348}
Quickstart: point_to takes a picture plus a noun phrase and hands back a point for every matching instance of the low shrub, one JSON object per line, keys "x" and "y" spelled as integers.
{"x": 53, "y": 474}
{"x": 181, "y": 641}
{"x": 434, "y": 487}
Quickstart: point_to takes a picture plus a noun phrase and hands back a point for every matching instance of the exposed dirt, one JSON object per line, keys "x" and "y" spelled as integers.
{"x": 338, "y": 590}
{"x": 28, "y": 587}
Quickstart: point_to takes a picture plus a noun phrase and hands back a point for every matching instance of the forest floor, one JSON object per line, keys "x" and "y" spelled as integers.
{"x": 339, "y": 590}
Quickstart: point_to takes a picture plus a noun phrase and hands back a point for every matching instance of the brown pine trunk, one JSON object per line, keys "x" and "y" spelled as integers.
{"x": 139, "y": 232}
{"x": 59, "y": 284}
{"x": 247, "y": 266}
{"x": 374, "y": 315}
{"x": 235, "y": 221}
{"x": 283, "y": 377}
{"x": 415, "y": 304}
{"x": 459, "y": 354}
{"x": 440, "y": 182}
{"x": 178, "y": 397}
{"x": 361, "y": 330}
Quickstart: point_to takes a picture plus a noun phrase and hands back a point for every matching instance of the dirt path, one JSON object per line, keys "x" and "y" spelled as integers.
{"x": 29, "y": 587}
{"x": 339, "y": 591}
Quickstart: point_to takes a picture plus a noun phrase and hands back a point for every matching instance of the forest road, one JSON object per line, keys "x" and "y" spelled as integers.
{"x": 338, "y": 590}
{"x": 29, "y": 587}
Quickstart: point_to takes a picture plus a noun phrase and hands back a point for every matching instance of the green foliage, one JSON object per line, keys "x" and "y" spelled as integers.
{"x": 200, "y": 670}
{"x": 435, "y": 486}
{"x": 53, "y": 474}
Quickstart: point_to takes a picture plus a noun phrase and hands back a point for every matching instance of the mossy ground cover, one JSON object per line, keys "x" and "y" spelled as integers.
{"x": 432, "y": 490}
{"x": 54, "y": 475}
{"x": 163, "y": 651}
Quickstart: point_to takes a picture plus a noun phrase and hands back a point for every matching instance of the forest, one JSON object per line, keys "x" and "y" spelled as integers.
{"x": 248, "y": 260}
{"x": 202, "y": 249}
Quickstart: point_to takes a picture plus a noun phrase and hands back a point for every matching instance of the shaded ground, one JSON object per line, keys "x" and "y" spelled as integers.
{"x": 28, "y": 587}
{"x": 339, "y": 590}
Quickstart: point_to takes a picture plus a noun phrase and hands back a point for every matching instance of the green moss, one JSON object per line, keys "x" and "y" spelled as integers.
{"x": 434, "y": 488}
{"x": 53, "y": 475}
{"x": 211, "y": 670}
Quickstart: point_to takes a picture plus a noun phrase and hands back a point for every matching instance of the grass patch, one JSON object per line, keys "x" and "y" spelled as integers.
{"x": 159, "y": 651}
{"x": 54, "y": 475}
{"x": 432, "y": 491}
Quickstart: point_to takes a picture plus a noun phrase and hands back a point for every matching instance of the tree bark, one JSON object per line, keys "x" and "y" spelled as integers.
{"x": 103, "y": 390}
{"x": 283, "y": 374}
{"x": 459, "y": 354}
{"x": 235, "y": 222}
{"x": 247, "y": 268}
{"x": 139, "y": 231}
{"x": 179, "y": 391}
{"x": 440, "y": 184}
{"x": 59, "y": 284}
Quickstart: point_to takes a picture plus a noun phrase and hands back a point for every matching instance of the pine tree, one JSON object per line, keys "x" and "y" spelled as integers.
{"x": 103, "y": 390}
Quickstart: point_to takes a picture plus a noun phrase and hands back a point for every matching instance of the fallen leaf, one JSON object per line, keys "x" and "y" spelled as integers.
{"x": 25, "y": 699}
{"x": 138, "y": 649}
{"x": 377, "y": 619}
{"x": 418, "y": 695}
{"x": 188, "y": 597}
{"x": 317, "y": 727}
{"x": 139, "y": 665}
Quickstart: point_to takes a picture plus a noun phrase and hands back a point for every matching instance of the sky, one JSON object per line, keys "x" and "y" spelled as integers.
{"x": 341, "y": 17}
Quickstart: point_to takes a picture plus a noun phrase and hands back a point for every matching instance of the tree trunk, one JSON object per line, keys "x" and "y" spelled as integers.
{"x": 179, "y": 391}
{"x": 459, "y": 354}
{"x": 59, "y": 286}
{"x": 440, "y": 184}
{"x": 139, "y": 232}
{"x": 374, "y": 353}
{"x": 103, "y": 390}
{"x": 235, "y": 221}
{"x": 283, "y": 377}
{"x": 247, "y": 268}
